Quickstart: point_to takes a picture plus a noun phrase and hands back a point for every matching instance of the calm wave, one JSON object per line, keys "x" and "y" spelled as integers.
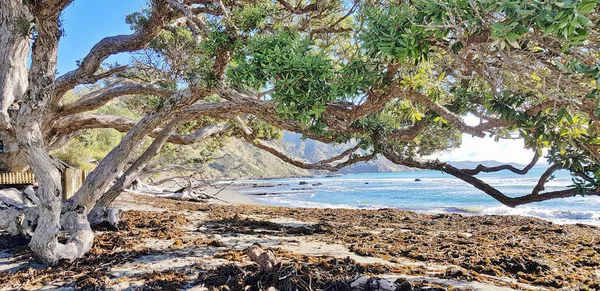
{"x": 435, "y": 192}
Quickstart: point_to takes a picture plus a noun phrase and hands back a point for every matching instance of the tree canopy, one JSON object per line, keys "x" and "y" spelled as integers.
{"x": 397, "y": 78}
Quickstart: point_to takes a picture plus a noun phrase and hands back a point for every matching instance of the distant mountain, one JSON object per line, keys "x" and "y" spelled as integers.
{"x": 313, "y": 151}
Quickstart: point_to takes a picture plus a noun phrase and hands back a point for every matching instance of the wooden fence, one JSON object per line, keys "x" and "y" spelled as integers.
{"x": 72, "y": 178}
{"x": 17, "y": 178}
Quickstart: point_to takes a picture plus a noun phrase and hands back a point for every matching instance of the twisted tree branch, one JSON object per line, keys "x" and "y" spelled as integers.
{"x": 100, "y": 97}
{"x": 481, "y": 168}
{"x": 320, "y": 165}
{"x": 161, "y": 14}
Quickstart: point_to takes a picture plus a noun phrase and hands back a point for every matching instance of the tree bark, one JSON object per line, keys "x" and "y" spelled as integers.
{"x": 12, "y": 159}
{"x": 15, "y": 23}
{"x": 99, "y": 180}
{"x": 99, "y": 213}
{"x": 27, "y": 124}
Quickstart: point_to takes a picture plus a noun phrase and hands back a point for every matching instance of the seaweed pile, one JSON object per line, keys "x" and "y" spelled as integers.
{"x": 531, "y": 250}
{"x": 302, "y": 273}
{"x": 111, "y": 248}
{"x": 125, "y": 245}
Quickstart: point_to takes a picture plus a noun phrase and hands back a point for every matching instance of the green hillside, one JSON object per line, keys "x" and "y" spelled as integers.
{"x": 244, "y": 160}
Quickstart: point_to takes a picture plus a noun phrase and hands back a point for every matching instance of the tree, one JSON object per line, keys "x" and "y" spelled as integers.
{"x": 396, "y": 78}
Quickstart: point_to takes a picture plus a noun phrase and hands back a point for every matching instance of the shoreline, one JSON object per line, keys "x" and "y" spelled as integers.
{"x": 236, "y": 196}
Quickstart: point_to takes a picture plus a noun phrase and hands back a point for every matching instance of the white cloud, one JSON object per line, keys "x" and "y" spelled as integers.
{"x": 481, "y": 149}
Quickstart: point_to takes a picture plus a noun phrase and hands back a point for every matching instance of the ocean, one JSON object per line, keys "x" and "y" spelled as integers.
{"x": 435, "y": 192}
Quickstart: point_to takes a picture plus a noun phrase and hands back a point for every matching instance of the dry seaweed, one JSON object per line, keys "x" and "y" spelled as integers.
{"x": 530, "y": 250}
{"x": 110, "y": 249}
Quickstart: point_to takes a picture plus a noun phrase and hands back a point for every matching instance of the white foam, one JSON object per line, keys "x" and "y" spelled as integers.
{"x": 555, "y": 215}
{"x": 278, "y": 200}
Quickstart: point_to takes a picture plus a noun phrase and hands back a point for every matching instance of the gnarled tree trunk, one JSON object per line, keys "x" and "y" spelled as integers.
{"x": 27, "y": 125}
{"x": 15, "y": 22}
{"x": 15, "y": 40}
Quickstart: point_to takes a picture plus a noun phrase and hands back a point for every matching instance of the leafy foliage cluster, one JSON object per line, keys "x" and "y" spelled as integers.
{"x": 529, "y": 68}
{"x": 492, "y": 59}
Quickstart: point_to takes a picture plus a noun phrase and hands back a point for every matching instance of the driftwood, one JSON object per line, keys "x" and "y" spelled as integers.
{"x": 188, "y": 193}
{"x": 19, "y": 211}
{"x": 112, "y": 216}
{"x": 264, "y": 258}
{"x": 12, "y": 197}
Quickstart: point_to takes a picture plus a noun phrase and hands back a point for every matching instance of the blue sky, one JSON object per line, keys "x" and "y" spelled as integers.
{"x": 87, "y": 22}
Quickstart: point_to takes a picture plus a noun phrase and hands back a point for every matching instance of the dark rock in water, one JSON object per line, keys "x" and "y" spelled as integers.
{"x": 266, "y": 185}
{"x": 366, "y": 182}
{"x": 318, "y": 184}
{"x": 417, "y": 180}
{"x": 335, "y": 175}
{"x": 303, "y": 183}
{"x": 264, "y": 194}
{"x": 299, "y": 189}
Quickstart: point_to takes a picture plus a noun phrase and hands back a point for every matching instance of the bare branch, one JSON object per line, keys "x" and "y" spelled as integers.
{"x": 100, "y": 97}
{"x": 129, "y": 176}
{"x": 109, "y": 73}
{"x": 388, "y": 152}
{"x": 329, "y": 30}
{"x": 265, "y": 110}
{"x": 72, "y": 123}
{"x": 75, "y": 123}
{"x": 106, "y": 171}
{"x": 481, "y": 168}
{"x": 108, "y": 46}
{"x": 298, "y": 9}
{"x": 408, "y": 134}
{"x": 399, "y": 159}
{"x": 486, "y": 188}
{"x": 198, "y": 135}
{"x": 321, "y": 165}
{"x": 444, "y": 113}
{"x": 352, "y": 9}
{"x": 342, "y": 155}
{"x": 544, "y": 178}
{"x": 196, "y": 24}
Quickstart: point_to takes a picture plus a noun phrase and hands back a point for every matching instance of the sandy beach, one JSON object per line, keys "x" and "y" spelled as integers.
{"x": 165, "y": 244}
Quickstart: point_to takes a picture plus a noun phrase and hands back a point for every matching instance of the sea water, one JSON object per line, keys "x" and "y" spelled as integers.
{"x": 430, "y": 192}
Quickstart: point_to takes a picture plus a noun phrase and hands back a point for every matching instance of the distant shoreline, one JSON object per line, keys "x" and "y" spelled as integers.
{"x": 268, "y": 187}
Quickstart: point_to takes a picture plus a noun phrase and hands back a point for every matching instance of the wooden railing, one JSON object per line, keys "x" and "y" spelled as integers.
{"x": 17, "y": 178}
{"x": 72, "y": 178}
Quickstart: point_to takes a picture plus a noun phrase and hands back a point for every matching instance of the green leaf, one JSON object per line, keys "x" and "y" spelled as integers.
{"x": 585, "y": 8}
{"x": 513, "y": 43}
